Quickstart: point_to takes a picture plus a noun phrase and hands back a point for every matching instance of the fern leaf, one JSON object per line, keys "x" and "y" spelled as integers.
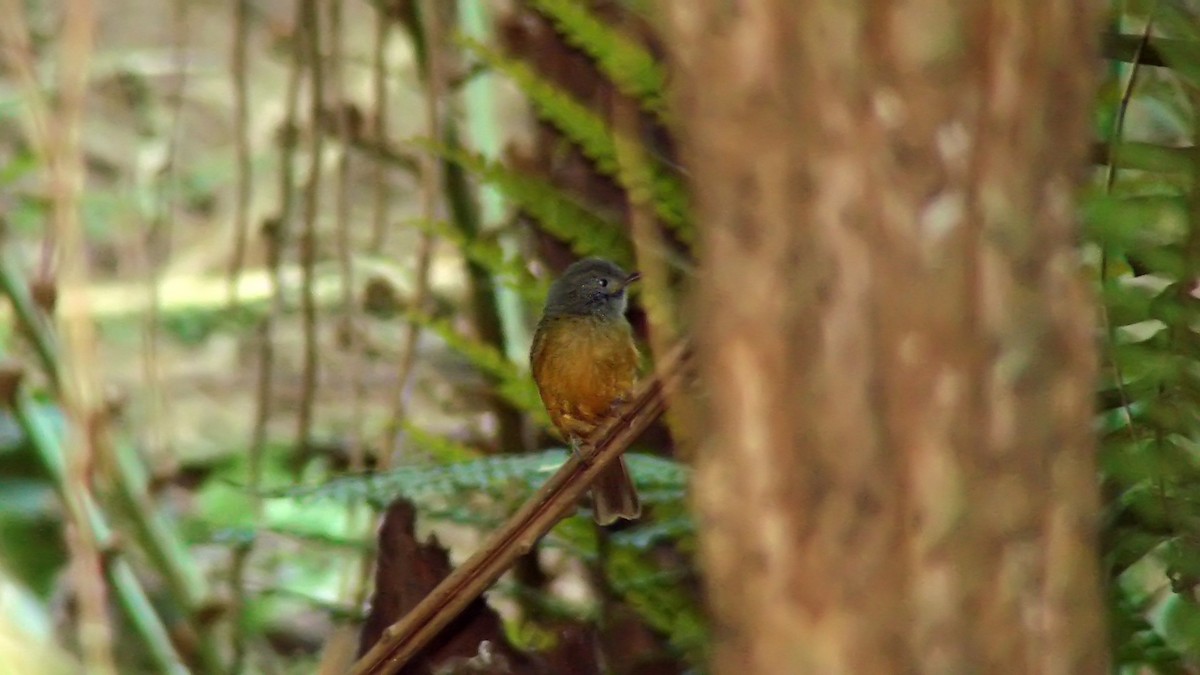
{"x": 659, "y": 472}
{"x": 324, "y": 539}
{"x": 647, "y": 181}
{"x": 660, "y": 530}
{"x": 662, "y": 599}
{"x": 441, "y": 449}
{"x": 513, "y": 384}
{"x": 632, "y": 69}
{"x": 422, "y": 482}
{"x": 490, "y": 256}
{"x": 490, "y": 474}
{"x": 561, "y": 216}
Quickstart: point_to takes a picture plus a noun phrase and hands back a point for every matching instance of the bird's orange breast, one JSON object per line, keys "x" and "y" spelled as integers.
{"x": 582, "y": 367}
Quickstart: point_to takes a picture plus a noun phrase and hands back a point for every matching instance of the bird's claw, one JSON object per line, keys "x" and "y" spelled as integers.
{"x": 577, "y": 450}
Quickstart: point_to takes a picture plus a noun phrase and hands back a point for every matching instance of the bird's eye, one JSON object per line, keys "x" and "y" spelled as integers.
{"x": 603, "y": 283}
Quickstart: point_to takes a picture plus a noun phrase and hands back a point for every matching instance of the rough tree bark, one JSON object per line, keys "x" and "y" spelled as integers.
{"x": 899, "y": 475}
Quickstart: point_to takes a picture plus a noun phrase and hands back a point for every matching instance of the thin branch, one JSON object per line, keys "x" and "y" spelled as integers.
{"x": 354, "y": 577}
{"x": 1130, "y": 48}
{"x": 553, "y": 501}
{"x": 155, "y": 247}
{"x": 428, "y": 170}
{"x": 17, "y": 50}
{"x": 33, "y": 322}
{"x": 158, "y": 537}
{"x": 386, "y": 155}
{"x": 161, "y": 542}
{"x": 311, "y": 32}
{"x": 1110, "y": 178}
{"x": 241, "y": 135}
{"x": 344, "y": 240}
{"x": 482, "y": 119}
{"x": 379, "y": 211}
{"x": 79, "y": 393}
{"x": 1144, "y": 156}
{"x": 431, "y": 182}
{"x": 652, "y": 255}
{"x": 275, "y": 236}
{"x": 126, "y": 587}
{"x": 81, "y": 398}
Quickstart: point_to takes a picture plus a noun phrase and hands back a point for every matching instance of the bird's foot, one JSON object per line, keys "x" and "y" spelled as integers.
{"x": 584, "y": 454}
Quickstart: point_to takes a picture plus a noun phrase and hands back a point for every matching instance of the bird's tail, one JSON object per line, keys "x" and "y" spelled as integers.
{"x": 614, "y": 495}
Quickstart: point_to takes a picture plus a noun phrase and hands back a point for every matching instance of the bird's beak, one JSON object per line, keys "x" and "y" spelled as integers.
{"x": 630, "y": 279}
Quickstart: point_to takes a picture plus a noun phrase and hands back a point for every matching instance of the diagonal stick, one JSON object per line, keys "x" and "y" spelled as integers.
{"x": 554, "y": 500}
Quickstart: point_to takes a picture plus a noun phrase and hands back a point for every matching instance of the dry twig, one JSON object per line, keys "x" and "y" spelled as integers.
{"x": 54, "y": 128}
{"x": 431, "y": 181}
{"x": 241, "y": 125}
{"x": 275, "y": 238}
{"x": 379, "y": 114}
{"x": 556, "y": 498}
{"x": 311, "y": 30}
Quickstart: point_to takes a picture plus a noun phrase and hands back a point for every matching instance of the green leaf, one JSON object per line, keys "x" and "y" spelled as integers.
{"x": 1127, "y": 223}
{"x": 493, "y": 474}
{"x": 647, "y": 180}
{"x": 559, "y": 214}
{"x": 1178, "y": 621}
{"x": 489, "y": 255}
{"x": 630, "y": 67}
{"x": 513, "y": 384}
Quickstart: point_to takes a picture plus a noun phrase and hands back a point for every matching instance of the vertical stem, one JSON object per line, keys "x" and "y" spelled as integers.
{"x": 80, "y": 392}
{"x": 428, "y": 32}
{"x": 311, "y": 30}
{"x": 652, "y": 255}
{"x": 483, "y": 130}
{"x": 241, "y": 134}
{"x": 156, "y": 244}
{"x": 275, "y": 234}
{"x": 379, "y": 86}
{"x": 83, "y": 508}
{"x": 354, "y": 578}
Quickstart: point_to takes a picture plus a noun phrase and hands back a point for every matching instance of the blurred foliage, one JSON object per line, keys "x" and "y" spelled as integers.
{"x": 595, "y": 137}
{"x": 556, "y": 212}
{"x": 309, "y": 536}
{"x": 1142, "y": 221}
{"x": 290, "y": 552}
{"x": 632, "y": 68}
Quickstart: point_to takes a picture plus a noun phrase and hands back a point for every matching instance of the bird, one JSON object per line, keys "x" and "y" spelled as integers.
{"x": 585, "y": 362}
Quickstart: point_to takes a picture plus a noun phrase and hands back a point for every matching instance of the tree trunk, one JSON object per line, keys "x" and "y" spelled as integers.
{"x": 899, "y": 475}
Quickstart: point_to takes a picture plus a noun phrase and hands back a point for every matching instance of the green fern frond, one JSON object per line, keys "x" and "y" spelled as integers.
{"x": 647, "y": 181}
{"x": 576, "y": 536}
{"x": 560, "y": 215}
{"x": 644, "y": 537}
{"x": 441, "y": 449}
{"x": 659, "y": 475}
{"x": 634, "y": 71}
{"x": 658, "y": 596}
{"x": 335, "y": 610}
{"x": 513, "y": 384}
{"x": 323, "y": 539}
{"x": 490, "y": 256}
{"x": 492, "y": 474}
{"x": 662, "y": 599}
{"x": 483, "y": 356}
{"x": 662, "y": 483}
